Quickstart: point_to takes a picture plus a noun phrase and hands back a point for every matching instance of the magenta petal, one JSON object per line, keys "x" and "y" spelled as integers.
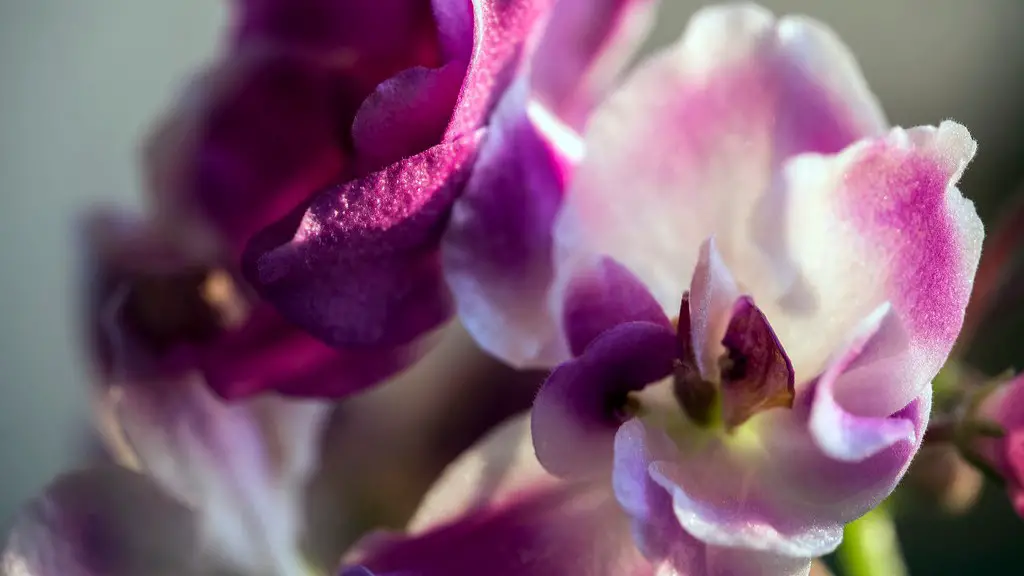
{"x": 562, "y": 529}
{"x": 580, "y": 407}
{"x": 759, "y": 375}
{"x": 362, "y": 268}
{"x": 102, "y": 522}
{"x": 500, "y": 30}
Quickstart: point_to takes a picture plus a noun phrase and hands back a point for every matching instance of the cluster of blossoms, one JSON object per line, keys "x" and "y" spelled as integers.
{"x": 742, "y": 279}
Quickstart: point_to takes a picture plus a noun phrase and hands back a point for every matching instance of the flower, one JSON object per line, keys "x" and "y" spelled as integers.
{"x": 167, "y": 324}
{"x": 1005, "y": 408}
{"x": 490, "y": 116}
{"x": 823, "y": 261}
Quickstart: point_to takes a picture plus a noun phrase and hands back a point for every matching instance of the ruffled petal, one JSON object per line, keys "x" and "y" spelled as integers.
{"x": 687, "y": 148}
{"x": 362, "y": 269}
{"x": 242, "y": 467}
{"x": 534, "y": 525}
{"x": 102, "y": 522}
{"x": 498, "y": 247}
{"x": 583, "y": 402}
{"x": 881, "y": 222}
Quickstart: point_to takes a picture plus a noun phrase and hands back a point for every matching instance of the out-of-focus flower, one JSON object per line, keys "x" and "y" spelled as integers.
{"x": 1005, "y": 452}
{"x": 489, "y": 108}
{"x": 828, "y": 260}
{"x": 165, "y": 324}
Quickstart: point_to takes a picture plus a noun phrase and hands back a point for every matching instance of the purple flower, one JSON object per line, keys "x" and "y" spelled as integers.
{"x": 1005, "y": 407}
{"x": 492, "y": 117}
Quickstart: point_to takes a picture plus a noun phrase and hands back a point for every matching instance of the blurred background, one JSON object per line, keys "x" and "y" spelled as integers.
{"x": 82, "y": 82}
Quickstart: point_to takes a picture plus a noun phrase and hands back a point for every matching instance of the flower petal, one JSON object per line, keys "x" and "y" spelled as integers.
{"x": 696, "y": 136}
{"x": 242, "y": 467}
{"x": 713, "y": 292}
{"x": 102, "y": 522}
{"x": 539, "y": 527}
{"x": 841, "y": 434}
{"x": 159, "y": 308}
{"x": 581, "y": 404}
{"x": 497, "y": 251}
{"x": 760, "y": 375}
{"x": 881, "y": 222}
{"x": 361, "y": 268}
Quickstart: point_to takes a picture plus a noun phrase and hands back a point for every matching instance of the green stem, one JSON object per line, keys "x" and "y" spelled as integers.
{"x": 870, "y": 547}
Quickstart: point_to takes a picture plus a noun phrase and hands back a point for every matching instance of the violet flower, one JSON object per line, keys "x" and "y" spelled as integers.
{"x": 492, "y": 117}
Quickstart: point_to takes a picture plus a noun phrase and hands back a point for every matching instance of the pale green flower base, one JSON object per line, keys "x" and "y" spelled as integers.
{"x": 870, "y": 547}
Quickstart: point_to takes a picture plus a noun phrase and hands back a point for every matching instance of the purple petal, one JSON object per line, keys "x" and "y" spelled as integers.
{"x": 256, "y": 136}
{"x": 581, "y": 405}
{"x": 532, "y": 524}
{"x": 362, "y": 268}
{"x": 153, "y": 315}
{"x": 497, "y": 248}
{"x": 602, "y": 297}
{"x": 760, "y": 375}
{"x": 102, "y": 522}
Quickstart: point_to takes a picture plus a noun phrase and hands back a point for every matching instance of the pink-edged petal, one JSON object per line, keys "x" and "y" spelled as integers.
{"x": 585, "y": 45}
{"x": 1005, "y": 407}
{"x": 498, "y": 247}
{"x": 495, "y": 511}
{"x": 759, "y": 375}
{"x": 582, "y": 403}
{"x": 242, "y": 467}
{"x": 362, "y": 268}
{"x": 843, "y": 435}
{"x": 696, "y": 136}
{"x": 102, "y": 522}
{"x": 881, "y": 222}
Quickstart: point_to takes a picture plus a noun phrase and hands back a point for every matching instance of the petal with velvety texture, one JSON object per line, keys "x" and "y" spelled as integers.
{"x": 583, "y": 402}
{"x": 361, "y": 268}
{"x": 695, "y": 138}
{"x": 102, "y": 522}
{"x": 495, "y": 512}
{"x": 497, "y": 250}
{"x": 881, "y": 222}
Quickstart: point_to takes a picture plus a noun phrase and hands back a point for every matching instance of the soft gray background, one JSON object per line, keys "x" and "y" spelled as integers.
{"x": 81, "y": 80}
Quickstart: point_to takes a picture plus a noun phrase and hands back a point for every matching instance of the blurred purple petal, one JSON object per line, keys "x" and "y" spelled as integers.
{"x": 102, "y": 522}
